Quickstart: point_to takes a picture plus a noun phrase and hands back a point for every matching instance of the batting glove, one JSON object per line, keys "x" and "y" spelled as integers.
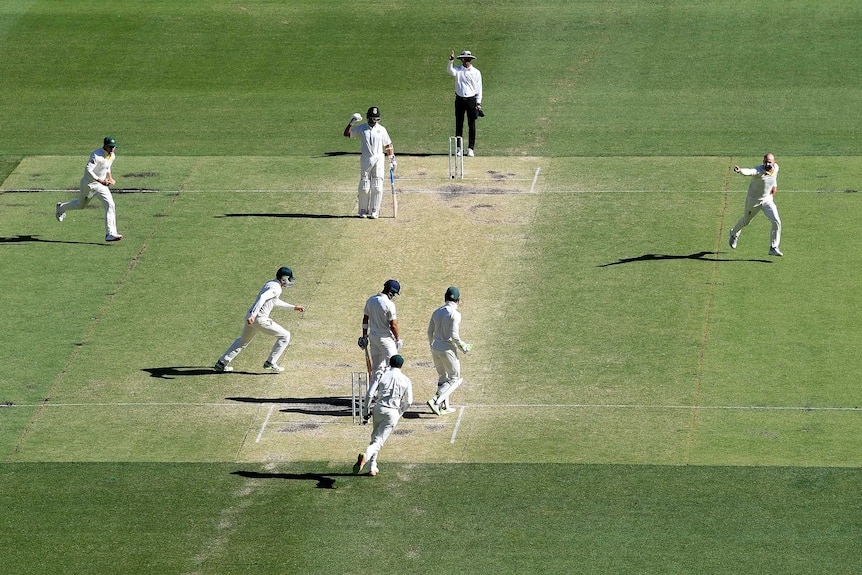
{"x": 362, "y": 342}
{"x": 355, "y": 117}
{"x": 467, "y": 347}
{"x": 399, "y": 343}
{"x": 392, "y": 163}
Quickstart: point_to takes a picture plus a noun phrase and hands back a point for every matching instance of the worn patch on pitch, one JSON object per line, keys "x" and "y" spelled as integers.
{"x": 297, "y": 427}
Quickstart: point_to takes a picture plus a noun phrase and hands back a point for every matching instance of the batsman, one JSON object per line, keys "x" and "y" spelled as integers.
{"x": 375, "y": 147}
{"x": 380, "y": 334}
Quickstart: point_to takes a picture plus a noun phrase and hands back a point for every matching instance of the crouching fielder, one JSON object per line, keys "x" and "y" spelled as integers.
{"x": 375, "y": 143}
{"x": 394, "y": 394}
{"x": 257, "y": 320}
{"x": 445, "y": 341}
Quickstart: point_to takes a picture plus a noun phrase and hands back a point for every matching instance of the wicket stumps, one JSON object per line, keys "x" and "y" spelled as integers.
{"x": 358, "y": 389}
{"x": 456, "y": 157}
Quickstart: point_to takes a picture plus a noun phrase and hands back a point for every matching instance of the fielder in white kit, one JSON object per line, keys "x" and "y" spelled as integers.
{"x": 393, "y": 394}
{"x": 444, "y": 337}
{"x": 375, "y": 144}
{"x": 761, "y": 197}
{"x": 258, "y": 320}
{"x": 97, "y": 178}
{"x": 380, "y": 330}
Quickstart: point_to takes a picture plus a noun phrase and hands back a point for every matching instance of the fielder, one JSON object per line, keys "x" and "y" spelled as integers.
{"x": 380, "y": 331}
{"x": 257, "y": 320}
{"x": 394, "y": 394}
{"x": 445, "y": 340}
{"x": 761, "y": 197}
{"x": 97, "y": 178}
{"x": 375, "y": 142}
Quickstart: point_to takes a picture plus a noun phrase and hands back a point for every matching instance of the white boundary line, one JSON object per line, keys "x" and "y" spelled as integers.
{"x": 265, "y": 421}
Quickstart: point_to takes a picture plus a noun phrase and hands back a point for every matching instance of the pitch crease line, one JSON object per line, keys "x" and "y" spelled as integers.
{"x": 265, "y": 421}
{"x": 457, "y": 424}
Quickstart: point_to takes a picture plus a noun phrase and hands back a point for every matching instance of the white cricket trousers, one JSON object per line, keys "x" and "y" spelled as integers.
{"x": 381, "y": 349}
{"x": 250, "y": 331}
{"x": 448, "y": 374}
{"x": 385, "y": 419}
{"x": 770, "y": 210}
{"x": 86, "y": 193}
{"x": 370, "y": 184}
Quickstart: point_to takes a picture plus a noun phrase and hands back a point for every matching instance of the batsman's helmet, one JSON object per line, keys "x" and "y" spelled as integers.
{"x": 373, "y": 112}
{"x": 282, "y": 271}
{"x": 392, "y": 287}
{"x": 452, "y": 294}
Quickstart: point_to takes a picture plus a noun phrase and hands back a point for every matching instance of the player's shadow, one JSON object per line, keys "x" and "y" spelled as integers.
{"x": 400, "y": 154}
{"x": 174, "y": 372}
{"x": 322, "y": 406}
{"x": 283, "y": 215}
{"x": 322, "y": 480}
{"x": 36, "y": 239}
{"x": 700, "y": 256}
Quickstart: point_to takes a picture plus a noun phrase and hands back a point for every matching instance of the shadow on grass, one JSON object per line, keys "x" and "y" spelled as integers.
{"x": 301, "y": 216}
{"x": 324, "y": 406}
{"x": 37, "y": 239}
{"x": 187, "y": 370}
{"x": 403, "y": 154}
{"x": 323, "y": 480}
{"x": 702, "y": 256}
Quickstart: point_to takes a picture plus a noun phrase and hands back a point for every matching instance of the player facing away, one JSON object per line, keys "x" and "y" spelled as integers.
{"x": 375, "y": 143}
{"x": 393, "y": 394}
{"x": 95, "y": 183}
{"x": 761, "y": 197}
{"x": 444, "y": 337}
{"x": 258, "y": 321}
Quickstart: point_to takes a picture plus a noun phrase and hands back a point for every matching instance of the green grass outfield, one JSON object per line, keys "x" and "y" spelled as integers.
{"x": 640, "y": 399}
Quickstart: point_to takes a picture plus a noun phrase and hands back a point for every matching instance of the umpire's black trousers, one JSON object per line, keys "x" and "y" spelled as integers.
{"x": 466, "y": 106}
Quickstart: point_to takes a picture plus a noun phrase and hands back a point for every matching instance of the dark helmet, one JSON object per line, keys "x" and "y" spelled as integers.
{"x": 396, "y": 361}
{"x": 391, "y": 287}
{"x": 452, "y": 294}
{"x": 284, "y": 273}
{"x": 373, "y": 112}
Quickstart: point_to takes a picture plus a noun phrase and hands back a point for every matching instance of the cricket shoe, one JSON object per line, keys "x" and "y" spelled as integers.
{"x": 470, "y": 153}
{"x": 59, "y": 213}
{"x": 733, "y": 240}
{"x": 374, "y": 471}
{"x": 447, "y": 410}
{"x": 219, "y": 366}
{"x": 113, "y": 238}
{"x": 274, "y": 367}
{"x": 775, "y": 252}
{"x": 360, "y": 462}
{"x": 434, "y": 407}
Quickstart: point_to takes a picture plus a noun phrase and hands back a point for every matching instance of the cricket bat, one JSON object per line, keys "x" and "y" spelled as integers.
{"x": 368, "y": 364}
{"x": 394, "y": 195}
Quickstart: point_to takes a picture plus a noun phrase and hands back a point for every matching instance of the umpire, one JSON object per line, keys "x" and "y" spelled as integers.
{"x": 468, "y": 95}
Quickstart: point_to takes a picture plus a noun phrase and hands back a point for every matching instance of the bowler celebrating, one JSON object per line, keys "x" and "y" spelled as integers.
{"x": 761, "y": 197}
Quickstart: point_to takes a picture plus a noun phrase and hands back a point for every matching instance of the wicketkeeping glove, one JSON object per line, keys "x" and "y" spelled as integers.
{"x": 466, "y": 347}
{"x": 362, "y": 342}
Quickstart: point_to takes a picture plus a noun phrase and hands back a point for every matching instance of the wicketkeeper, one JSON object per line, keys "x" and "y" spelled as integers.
{"x": 445, "y": 340}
